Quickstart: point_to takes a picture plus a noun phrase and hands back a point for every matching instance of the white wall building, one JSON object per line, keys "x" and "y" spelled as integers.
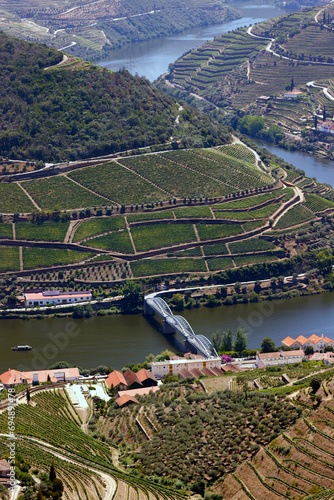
{"x": 279, "y": 358}
{"x": 54, "y": 297}
{"x": 173, "y": 366}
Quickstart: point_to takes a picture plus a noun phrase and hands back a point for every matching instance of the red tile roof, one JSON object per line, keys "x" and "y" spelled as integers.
{"x": 301, "y": 340}
{"x": 207, "y": 372}
{"x": 123, "y": 400}
{"x": 216, "y": 371}
{"x": 229, "y": 367}
{"x": 288, "y": 341}
{"x": 184, "y": 373}
{"x": 131, "y": 378}
{"x": 314, "y": 339}
{"x": 196, "y": 372}
{"x": 12, "y": 377}
{"x": 145, "y": 374}
{"x": 141, "y": 391}
{"x": 115, "y": 378}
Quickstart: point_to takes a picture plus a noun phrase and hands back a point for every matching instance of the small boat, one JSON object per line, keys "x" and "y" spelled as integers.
{"x": 22, "y": 348}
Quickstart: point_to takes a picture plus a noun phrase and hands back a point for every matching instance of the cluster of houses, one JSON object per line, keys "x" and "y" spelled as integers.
{"x": 129, "y": 384}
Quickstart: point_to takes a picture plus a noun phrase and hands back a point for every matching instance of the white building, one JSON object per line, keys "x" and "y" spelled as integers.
{"x": 174, "y": 366}
{"x": 326, "y": 127}
{"x": 292, "y": 94}
{"x": 54, "y": 297}
{"x": 279, "y": 358}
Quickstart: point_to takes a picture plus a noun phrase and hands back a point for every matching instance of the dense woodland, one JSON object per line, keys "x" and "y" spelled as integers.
{"x": 58, "y": 115}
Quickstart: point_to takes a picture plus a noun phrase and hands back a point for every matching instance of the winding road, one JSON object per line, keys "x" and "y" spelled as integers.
{"x": 110, "y": 483}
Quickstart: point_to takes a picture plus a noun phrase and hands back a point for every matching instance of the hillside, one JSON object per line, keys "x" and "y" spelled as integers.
{"x": 251, "y": 69}
{"x": 99, "y": 27}
{"x": 217, "y": 214}
{"x": 70, "y": 112}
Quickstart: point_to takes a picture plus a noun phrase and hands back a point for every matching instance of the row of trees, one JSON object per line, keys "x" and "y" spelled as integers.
{"x": 230, "y": 341}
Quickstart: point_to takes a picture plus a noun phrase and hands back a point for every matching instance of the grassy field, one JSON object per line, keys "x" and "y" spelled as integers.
{"x": 217, "y": 248}
{"x": 61, "y": 192}
{"x": 43, "y": 231}
{"x": 118, "y": 184}
{"x": 193, "y": 212}
{"x": 165, "y": 214}
{"x": 211, "y": 231}
{"x": 251, "y": 245}
{"x": 6, "y": 230}
{"x": 254, "y": 259}
{"x": 98, "y": 226}
{"x": 161, "y": 235}
{"x": 296, "y": 215}
{"x": 119, "y": 241}
{"x": 9, "y": 259}
{"x": 149, "y": 267}
{"x": 44, "y": 257}
{"x": 13, "y": 199}
{"x": 220, "y": 263}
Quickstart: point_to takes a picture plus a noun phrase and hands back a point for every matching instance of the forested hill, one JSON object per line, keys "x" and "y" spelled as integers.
{"x": 63, "y": 114}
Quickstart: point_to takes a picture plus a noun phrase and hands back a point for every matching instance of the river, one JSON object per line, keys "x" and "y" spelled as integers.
{"x": 120, "y": 339}
{"x": 151, "y": 58}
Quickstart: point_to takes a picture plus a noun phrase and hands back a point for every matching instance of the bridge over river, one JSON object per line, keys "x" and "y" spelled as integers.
{"x": 199, "y": 344}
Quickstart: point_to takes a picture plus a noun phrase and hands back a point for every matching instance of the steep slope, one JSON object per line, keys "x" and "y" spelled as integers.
{"x": 57, "y": 114}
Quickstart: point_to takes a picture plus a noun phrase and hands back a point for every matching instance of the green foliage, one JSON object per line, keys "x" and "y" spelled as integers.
{"x": 9, "y": 259}
{"x": 45, "y": 257}
{"x": 251, "y": 125}
{"x": 211, "y": 231}
{"x": 148, "y": 267}
{"x": 117, "y": 241}
{"x": 193, "y": 212}
{"x": 60, "y": 115}
{"x": 46, "y": 230}
{"x": 62, "y": 192}
{"x": 13, "y": 198}
{"x": 161, "y": 235}
{"x": 240, "y": 343}
{"x": 216, "y": 248}
{"x": 251, "y": 245}
{"x": 98, "y": 226}
{"x": 268, "y": 345}
{"x": 118, "y": 184}
{"x": 6, "y": 230}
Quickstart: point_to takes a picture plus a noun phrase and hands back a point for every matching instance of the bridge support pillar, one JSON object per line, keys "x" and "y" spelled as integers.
{"x": 167, "y": 328}
{"x": 189, "y": 347}
{"x": 148, "y": 311}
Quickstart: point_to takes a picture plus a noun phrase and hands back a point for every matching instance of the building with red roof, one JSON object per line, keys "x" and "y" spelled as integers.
{"x": 317, "y": 343}
{"x": 146, "y": 378}
{"x": 116, "y": 379}
{"x": 11, "y": 378}
{"x": 125, "y": 400}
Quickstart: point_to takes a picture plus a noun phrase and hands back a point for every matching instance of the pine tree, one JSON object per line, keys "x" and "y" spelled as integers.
{"x": 292, "y": 84}
{"x": 52, "y": 475}
{"x": 324, "y": 115}
{"x": 316, "y": 121}
{"x": 28, "y": 395}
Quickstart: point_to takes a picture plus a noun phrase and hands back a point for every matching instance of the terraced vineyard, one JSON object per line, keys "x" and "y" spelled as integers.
{"x": 298, "y": 464}
{"x": 83, "y": 463}
{"x": 175, "y": 235}
{"x": 213, "y": 61}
